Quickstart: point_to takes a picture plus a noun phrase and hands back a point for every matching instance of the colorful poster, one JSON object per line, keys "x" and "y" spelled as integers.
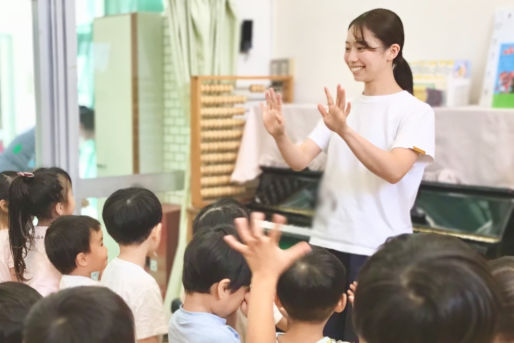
{"x": 504, "y": 86}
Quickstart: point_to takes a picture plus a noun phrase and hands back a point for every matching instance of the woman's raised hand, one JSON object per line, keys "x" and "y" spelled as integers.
{"x": 272, "y": 114}
{"x": 338, "y": 111}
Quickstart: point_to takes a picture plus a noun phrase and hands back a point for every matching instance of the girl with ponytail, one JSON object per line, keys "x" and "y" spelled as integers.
{"x": 43, "y": 195}
{"x": 377, "y": 149}
{"x": 6, "y": 178}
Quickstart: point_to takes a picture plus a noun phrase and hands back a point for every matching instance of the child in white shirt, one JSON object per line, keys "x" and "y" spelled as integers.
{"x": 74, "y": 245}
{"x": 132, "y": 216}
{"x": 46, "y": 195}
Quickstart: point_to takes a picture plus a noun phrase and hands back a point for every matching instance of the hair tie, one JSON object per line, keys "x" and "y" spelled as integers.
{"x": 25, "y": 174}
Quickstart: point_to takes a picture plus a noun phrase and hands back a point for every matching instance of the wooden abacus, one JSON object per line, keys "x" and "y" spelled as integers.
{"x": 217, "y": 123}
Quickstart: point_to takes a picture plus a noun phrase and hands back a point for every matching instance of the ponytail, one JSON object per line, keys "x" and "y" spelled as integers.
{"x": 403, "y": 74}
{"x": 21, "y": 229}
{"x": 32, "y": 195}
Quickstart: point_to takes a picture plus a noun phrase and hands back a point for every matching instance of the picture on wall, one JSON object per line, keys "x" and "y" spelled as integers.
{"x": 498, "y": 85}
{"x": 504, "y": 86}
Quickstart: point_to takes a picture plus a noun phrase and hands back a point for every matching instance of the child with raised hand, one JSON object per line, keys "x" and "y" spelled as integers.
{"x": 132, "y": 217}
{"x": 74, "y": 245}
{"x": 503, "y": 271}
{"x": 6, "y": 178}
{"x": 216, "y": 280}
{"x": 45, "y": 195}
{"x": 82, "y": 314}
{"x": 267, "y": 262}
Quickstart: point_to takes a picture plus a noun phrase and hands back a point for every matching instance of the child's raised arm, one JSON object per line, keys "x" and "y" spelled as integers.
{"x": 267, "y": 262}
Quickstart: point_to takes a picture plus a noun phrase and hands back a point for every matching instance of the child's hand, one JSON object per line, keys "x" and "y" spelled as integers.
{"x": 272, "y": 114}
{"x": 335, "y": 118}
{"x": 262, "y": 253}
{"x": 351, "y": 292}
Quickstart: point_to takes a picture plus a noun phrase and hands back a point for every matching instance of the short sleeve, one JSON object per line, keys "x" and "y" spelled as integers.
{"x": 149, "y": 316}
{"x": 416, "y": 132}
{"x": 320, "y": 135}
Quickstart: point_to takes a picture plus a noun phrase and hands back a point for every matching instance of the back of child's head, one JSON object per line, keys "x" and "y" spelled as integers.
{"x": 67, "y": 237}
{"x": 425, "y": 288}
{"x": 208, "y": 260}
{"x": 312, "y": 287}
{"x": 6, "y": 177}
{"x": 222, "y": 211}
{"x": 16, "y": 300}
{"x": 33, "y": 195}
{"x": 80, "y": 315}
{"x": 130, "y": 214}
{"x": 503, "y": 271}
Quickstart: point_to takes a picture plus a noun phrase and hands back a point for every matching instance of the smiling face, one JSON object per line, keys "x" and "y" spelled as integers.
{"x": 366, "y": 56}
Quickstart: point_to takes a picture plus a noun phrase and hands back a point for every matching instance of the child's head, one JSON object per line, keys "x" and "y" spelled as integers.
{"x": 503, "y": 271}
{"x": 16, "y": 300}
{"x": 222, "y": 211}
{"x": 74, "y": 244}
{"x": 375, "y": 41}
{"x": 45, "y": 194}
{"x": 80, "y": 314}
{"x": 212, "y": 267}
{"x": 133, "y": 216}
{"x": 313, "y": 287}
{"x": 6, "y": 178}
{"x": 425, "y": 288}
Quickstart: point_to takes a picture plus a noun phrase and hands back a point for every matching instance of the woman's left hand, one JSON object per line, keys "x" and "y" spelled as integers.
{"x": 335, "y": 117}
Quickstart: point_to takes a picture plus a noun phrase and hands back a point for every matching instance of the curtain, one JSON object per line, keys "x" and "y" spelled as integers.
{"x": 204, "y": 37}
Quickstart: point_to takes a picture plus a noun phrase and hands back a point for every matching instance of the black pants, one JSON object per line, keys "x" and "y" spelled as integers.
{"x": 340, "y": 326}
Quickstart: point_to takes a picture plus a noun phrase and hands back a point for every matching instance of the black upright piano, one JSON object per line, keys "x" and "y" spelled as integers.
{"x": 481, "y": 216}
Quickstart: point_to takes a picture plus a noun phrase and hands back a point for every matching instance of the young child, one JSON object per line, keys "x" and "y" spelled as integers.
{"x": 132, "y": 216}
{"x": 45, "y": 194}
{"x": 216, "y": 280}
{"x": 426, "y": 288}
{"x": 6, "y": 178}
{"x": 503, "y": 271}
{"x": 310, "y": 291}
{"x": 16, "y": 300}
{"x": 82, "y": 314}
{"x": 74, "y": 245}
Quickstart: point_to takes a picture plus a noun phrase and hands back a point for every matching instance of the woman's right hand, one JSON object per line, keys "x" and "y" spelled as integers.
{"x": 272, "y": 114}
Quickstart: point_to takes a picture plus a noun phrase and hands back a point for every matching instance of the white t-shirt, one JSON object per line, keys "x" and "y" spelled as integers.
{"x": 5, "y": 251}
{"x": 68, "y": 281}
{"x": 141, "y": 293}
{"x": 357, "y": 210}
{"x": 40, "y": 272}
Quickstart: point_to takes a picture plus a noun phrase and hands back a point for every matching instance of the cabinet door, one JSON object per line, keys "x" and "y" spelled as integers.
{"x": 113, "y": 40}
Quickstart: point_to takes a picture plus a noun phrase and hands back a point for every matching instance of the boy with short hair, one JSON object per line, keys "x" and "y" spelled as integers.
{"x": 311, "y": 290}
{"x": 82, "y": 314}
{"x": 133, "y": 217}
{"x": 74, "y": 245}
{"x": 216, "y": 280}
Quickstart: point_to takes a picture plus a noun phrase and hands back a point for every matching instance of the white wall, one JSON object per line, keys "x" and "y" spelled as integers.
{"x": 313, "y": 33}
{"x": 256, "y": 62}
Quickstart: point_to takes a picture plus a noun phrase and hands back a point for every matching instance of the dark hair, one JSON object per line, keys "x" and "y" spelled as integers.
{"x": 208, "y": 259}
{"x": 33, "y": 195}
{"x": 130, "y": 214}
{"x": 222, "y": 211}
{"x": 6, "y": 178}
{"x": 87, "y": 118}
{"x": 80, "y": 315}
{"x": 426, "y": 288}
{"x": 16, "y": 300}
{"x": 503, "y": 271}
{"x": 386, "y": 26}
{"x": 311, "y": 288}
{"x": 66, "y": 237}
